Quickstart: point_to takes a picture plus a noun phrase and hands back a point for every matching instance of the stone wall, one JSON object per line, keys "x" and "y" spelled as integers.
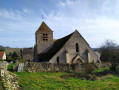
{"x": 8, "y": 79}
{"x": 105, "y": 64}
{"x": 54, "y": 67}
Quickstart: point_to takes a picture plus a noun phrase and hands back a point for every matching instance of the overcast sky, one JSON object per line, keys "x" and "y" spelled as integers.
{"x": 96, "y": 20}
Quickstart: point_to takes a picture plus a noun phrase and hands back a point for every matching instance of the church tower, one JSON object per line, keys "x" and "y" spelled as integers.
{"x": 44, "y": 39}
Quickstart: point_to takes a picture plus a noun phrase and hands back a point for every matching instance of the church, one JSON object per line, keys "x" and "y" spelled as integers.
{"x": 70, "y": 49}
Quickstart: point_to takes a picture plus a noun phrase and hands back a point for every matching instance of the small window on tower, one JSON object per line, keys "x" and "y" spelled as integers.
{"x": 45, "y": 37}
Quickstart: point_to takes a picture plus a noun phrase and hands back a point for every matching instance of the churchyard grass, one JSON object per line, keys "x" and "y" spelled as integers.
{"x": 10, "y": 66}
{"x": 102, "y": 69}
{"x": 49, "y": 81}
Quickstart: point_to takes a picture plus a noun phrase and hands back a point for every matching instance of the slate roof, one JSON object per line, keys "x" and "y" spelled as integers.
{"x": 58, "y": 44}
{"x": 28, "y": 51}
{"x": 28, "y": 54}
{"x": 1, "y": 54}
{"x": 44, "y": 27}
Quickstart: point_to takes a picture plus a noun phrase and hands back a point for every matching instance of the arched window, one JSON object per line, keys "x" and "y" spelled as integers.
{"x": 77, "y": 47}
{"x": 57, "y": 59}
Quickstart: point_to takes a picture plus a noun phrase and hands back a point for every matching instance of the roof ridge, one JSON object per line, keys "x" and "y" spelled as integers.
{"x": 85, "y": 41}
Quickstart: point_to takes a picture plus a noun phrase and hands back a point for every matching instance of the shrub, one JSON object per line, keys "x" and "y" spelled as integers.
{"x": 89, "y": 67}
{"x": 1, "y": 59}
{"x": 22, "y": 60}
{"x": 10, "y": 66}
{"x": 9, "y": 58}
{"x": 2, "y": 50}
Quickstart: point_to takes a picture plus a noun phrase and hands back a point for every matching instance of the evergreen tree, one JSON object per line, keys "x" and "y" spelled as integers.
{"x": 14, "y": 55}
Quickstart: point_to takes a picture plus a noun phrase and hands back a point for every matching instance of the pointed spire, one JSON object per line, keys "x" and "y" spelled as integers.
{"x": 44, "y": 27}
{"x": 76, "y": 30}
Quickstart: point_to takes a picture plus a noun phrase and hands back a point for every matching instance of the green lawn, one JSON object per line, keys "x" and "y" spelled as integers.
{"x": 49, "y": 81}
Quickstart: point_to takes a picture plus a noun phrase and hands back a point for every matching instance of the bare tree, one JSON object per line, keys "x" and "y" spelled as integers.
{"x": 110, "y": 53}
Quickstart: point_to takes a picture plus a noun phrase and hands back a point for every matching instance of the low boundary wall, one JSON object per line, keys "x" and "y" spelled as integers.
{"x": 8, "y": 79}
{"x": 56, "y": 67}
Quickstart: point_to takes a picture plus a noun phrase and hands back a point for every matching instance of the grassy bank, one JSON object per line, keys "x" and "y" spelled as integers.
{"x": 1, "y": 88}
{"x": 36, "y": 81}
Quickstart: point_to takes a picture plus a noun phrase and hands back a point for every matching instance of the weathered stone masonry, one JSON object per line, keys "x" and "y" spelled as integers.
{"x": 70, "y": 49}
{"x": 8, "y": 79}
{"x": 53, "y": 67}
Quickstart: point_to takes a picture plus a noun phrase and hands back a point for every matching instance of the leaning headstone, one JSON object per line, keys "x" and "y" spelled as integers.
{"x": 3, "y": 65}
{"x": 20, "y": 67}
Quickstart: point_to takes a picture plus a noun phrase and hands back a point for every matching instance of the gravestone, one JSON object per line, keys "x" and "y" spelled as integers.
{"x": 20, "y": 67}
{"x": 3, "y": 65}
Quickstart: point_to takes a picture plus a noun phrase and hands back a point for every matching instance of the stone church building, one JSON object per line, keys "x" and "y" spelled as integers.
{"x": 71, "y": 49}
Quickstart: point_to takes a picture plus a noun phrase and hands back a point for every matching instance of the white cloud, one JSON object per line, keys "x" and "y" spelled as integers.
{"x": 11, "y": 15}
{"x": 95, "y": 24}
{"x": 69, "y": 2}
{"x": 26, "y": 10}
{"x": 93, "y": 30}
{"x": 17, "y": 29}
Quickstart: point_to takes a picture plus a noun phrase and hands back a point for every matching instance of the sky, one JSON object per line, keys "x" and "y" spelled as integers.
{"x": 96, "y": 20}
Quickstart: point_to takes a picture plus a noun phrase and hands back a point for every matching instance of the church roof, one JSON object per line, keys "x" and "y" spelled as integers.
{"x": 28, "y": 50}
{"x": 44, "y": 27}
{"x": 28, "y": 54}
{"x": 57, "y": 46}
